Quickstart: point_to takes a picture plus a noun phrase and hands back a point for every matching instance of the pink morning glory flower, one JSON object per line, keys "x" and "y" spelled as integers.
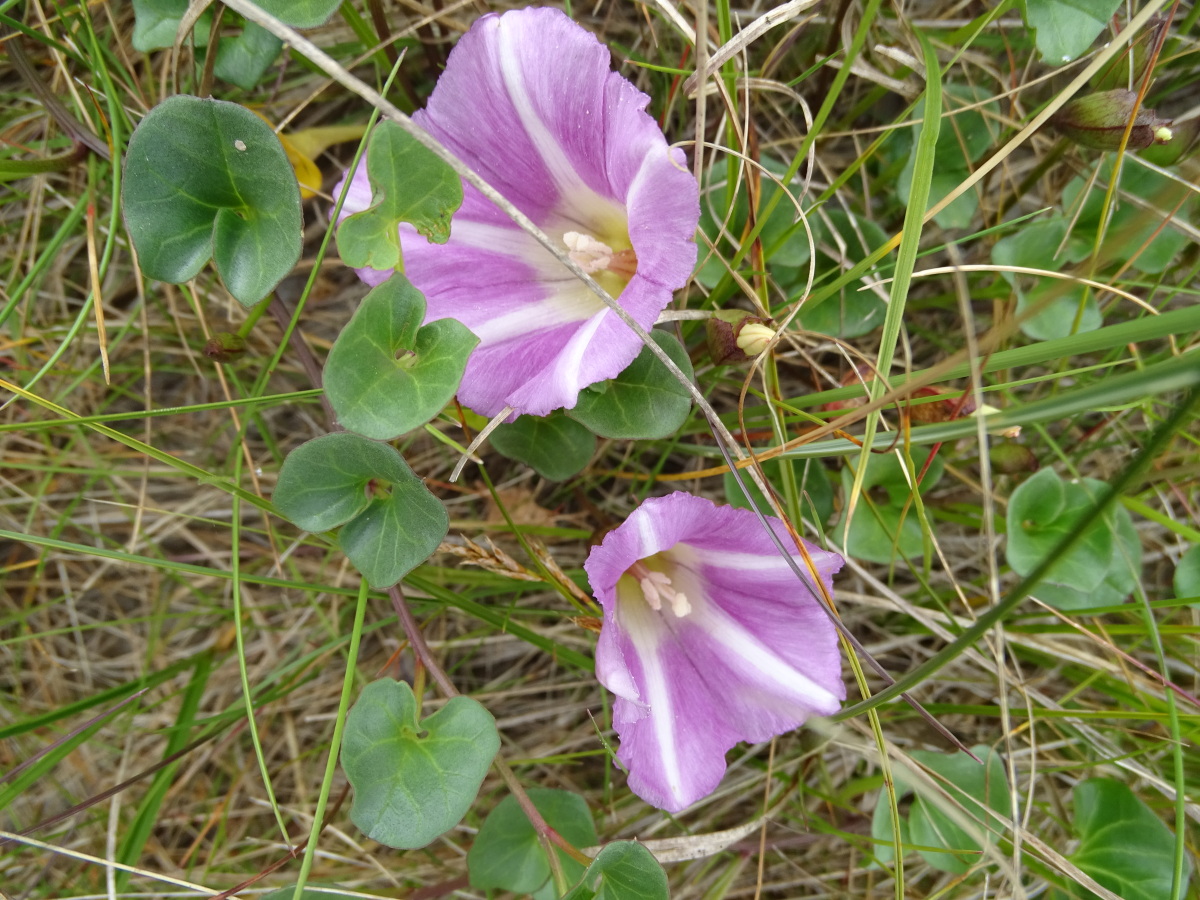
{"x": 709, "y": 638}
{"x": 528, "y": 101}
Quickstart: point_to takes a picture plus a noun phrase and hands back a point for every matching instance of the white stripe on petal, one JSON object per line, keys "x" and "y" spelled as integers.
{"x": 570, "y": 361}
{"x": 647, "y": 536}
{"x": 761, "y": 665}
{"x": 561, "y": 308}
{"x": 747, "y": 562}
{"x": 743, "y": 651}
{"x": 498, "y": 239}
{"x": 560, "y": 168}
{"x": 658, "y": 698}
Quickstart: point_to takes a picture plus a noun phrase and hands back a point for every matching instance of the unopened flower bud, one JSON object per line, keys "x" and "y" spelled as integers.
{"x": 1099, "y": 120}
{"x": 224, "y": 346}
{"x": 724, "y": 333}
{"x": 754, "y": 338}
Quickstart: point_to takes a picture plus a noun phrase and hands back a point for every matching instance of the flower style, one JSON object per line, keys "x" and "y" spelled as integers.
{"x": 528, "y": 101}
{"x": 708, "y": 639}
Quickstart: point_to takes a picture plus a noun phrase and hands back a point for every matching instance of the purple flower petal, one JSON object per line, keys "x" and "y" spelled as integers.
{"x": 746, "y": 654}
{"x": 528, "y": 101}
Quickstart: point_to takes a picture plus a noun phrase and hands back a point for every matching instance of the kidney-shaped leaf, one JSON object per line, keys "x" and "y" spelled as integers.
{"x": 644, "y": 402}
{"x": 1066, "y": 28}
{"x": 386, "y": 374}
{"x": 301, "y": 13}
{"x": 959, "y": 822}
{"x": 414, "y": 780}
{"x": 624, "y": 870}
{"x": 242, "y": 60}
{"x": 155, "y": 23}
{"x": 409, "y": 184}
{"x": 507, "y": 854}
{"x": 209, "y": 178}
{"x": 1038, "y": 520}
{"x": 555, "y": 446}
{"x": 323, "y": 483}
{"x": 396, "y": 533}
{"x": 392, "y": 521}
{"x": 1125, "y": 846}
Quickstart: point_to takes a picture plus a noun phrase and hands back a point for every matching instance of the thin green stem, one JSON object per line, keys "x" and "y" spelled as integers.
{"x": 335, "y": 743}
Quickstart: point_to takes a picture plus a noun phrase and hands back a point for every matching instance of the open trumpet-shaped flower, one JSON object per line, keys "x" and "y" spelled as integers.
{"x": 708, "y": 639}
{"x": 528, "y": 101}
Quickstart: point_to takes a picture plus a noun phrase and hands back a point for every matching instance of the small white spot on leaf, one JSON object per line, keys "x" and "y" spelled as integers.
{"x": 239, "y": 145}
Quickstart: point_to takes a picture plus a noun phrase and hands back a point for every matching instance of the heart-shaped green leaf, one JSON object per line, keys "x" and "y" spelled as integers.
{"x": 851, "y": 312}
{"x": 392, "y": 522}
{"x": 1037, "y": 521}
{"x": 300, "y": 13}
{"x": 960, "y": 823}
{"x": 507, "y": 854}
{"x": 156, "y": 22}
{"x": 323, "y": 482}
{"x": 396, "y": 533}
{"x": 409, "y": 184}
{"x": 1124, "y": 562}
{"x": 624, "y": 870}
{"x": 555, "y": 446}
{"x": 1058, "y": 303}
{"x": 414, "y": 780}
{"x": 209, "y": 178}
{"x": 644, "y": 402}
{"x": 886, "y": 528}
{"x": 243, "y": 59}
{"x": 1066, "y": 28}
{"x": 386, "y": 374}
{"x": 1124, "y": 845}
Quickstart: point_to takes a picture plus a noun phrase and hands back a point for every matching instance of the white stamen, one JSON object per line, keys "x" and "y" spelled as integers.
{"x": 657, "y": 587}
{"x": 650, "y": 591}
{"x": 590, "y": 254}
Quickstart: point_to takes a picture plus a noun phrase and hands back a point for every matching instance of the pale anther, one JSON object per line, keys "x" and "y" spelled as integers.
{"x": 650, "y": 591}
{"x": 656, "y": 587}
{"x": 588, "y": 253}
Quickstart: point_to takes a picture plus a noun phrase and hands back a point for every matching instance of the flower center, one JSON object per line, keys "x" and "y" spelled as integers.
{"x": 657, "y": 588}
{"x": 594, "y": 255}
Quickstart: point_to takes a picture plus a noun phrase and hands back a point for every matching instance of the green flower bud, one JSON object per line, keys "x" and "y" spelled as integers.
{"x": 1098, "y": 121}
